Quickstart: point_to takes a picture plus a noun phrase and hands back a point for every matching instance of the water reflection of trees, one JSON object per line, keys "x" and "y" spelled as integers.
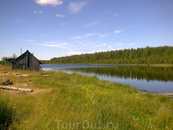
{"x": 148, "y": 73}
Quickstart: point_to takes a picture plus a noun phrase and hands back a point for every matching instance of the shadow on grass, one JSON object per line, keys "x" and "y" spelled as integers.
{"x": 5, "y": 115}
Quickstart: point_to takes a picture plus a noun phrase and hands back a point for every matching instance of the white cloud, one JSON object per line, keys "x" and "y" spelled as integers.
{"x": 20, "y": 20}
{"x": 75, "y": 52}
{"x": 102, "y": 35}
{"x": 49, "y": 2}
{"x": 120, "y": 44}
{"x": 77, "y": 37}
{"x": 114, "y": 15}
{"x": 76, "y": 6}
{"x": 37, "y": 21}
{"x": 99, "y": 50}
{"x": 118, "y": 31}
{"x": 78, "y": 52}
{"x": 53, "y": 51}
{"x": 28, "y": 40}
{"x": 130, "y": 44}
{"x": 63, "y": 24}
{"x": 38, "y": 12}
{"x": 119, "y": 48}
{"x": 104, "y": 44}
{"x": 89, "y": 35}
{"x": 110, "y": 47}
{"x": 91, "y": 24}
{"x": 106, "y": 11}
{"x": 85, "y": 36}
{"x": 105, "y": 25}
{"x": 42, "y": 35}
{"x": 89, "y": 44}
{"x": 52, "y": 44}
{"x": 59, "y": 15}
{"x": 64, "y": 44}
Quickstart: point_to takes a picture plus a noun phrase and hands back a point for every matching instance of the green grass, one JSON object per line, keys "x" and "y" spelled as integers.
{"x": 65, "y": 101}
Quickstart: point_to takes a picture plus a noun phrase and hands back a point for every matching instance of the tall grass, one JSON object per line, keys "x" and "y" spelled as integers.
{"x": 71, "y": 101}
{"x": 6, "y": 113}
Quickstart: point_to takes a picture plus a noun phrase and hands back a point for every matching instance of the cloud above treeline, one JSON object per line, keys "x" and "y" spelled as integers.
{"x": 78, "y": 52}
{"x": 49, "y": 2}
{"x": 53, "y": 44}
{"x": 89, "y": 35}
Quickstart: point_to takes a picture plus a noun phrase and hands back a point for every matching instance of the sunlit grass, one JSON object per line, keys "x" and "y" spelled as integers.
{"x": 83, "y": 102}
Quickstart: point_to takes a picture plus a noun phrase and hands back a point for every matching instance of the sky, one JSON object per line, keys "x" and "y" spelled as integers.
{"x": 56, "y": 28}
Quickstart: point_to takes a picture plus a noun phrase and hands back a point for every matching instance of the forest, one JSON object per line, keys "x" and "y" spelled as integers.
{"x": 147, "y": 55}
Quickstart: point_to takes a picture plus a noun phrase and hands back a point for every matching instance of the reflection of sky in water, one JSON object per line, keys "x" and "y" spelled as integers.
{"x": 157, "y": 86}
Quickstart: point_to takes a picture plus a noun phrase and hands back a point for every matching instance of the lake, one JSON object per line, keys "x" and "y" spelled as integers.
{"x": 157, "y": 79}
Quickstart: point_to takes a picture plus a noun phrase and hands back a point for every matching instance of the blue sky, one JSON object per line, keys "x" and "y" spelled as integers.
{"x": 55, "y": 28}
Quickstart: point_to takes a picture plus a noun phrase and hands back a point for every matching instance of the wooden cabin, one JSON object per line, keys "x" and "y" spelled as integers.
{"x": 7, "y": 60}
{"x": 26, "y": 61}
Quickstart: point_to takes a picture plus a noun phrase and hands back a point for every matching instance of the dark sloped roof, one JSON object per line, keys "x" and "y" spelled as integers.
{"x": 15, "y": 60}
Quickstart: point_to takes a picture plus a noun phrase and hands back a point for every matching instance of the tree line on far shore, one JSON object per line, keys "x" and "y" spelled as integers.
{"x": 147, "y": 55}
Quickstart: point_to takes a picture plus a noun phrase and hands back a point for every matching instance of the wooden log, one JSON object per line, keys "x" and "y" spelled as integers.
{"x": 14, "y": 88}
{"x": 7, "y": 82}
{"x": 21, "y": 75}
{"x": 24, "y": 89}
{"x": 8, "y": 88}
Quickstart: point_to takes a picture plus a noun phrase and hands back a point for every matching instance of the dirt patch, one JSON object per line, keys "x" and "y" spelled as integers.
{"x": 4, "y": 73}
{"x": 45, "y": 75}
{"x": 24, "y": 86}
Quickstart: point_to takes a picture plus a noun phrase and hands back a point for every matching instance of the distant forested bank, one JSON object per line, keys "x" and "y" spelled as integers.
{"x": 147, "y": 55}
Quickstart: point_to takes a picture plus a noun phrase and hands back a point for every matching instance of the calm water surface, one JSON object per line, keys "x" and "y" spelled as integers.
{"x": 158, "y": 79}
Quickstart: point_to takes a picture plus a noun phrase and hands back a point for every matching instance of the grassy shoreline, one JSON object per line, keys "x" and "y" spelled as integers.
{"x": 72, "y": 101}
